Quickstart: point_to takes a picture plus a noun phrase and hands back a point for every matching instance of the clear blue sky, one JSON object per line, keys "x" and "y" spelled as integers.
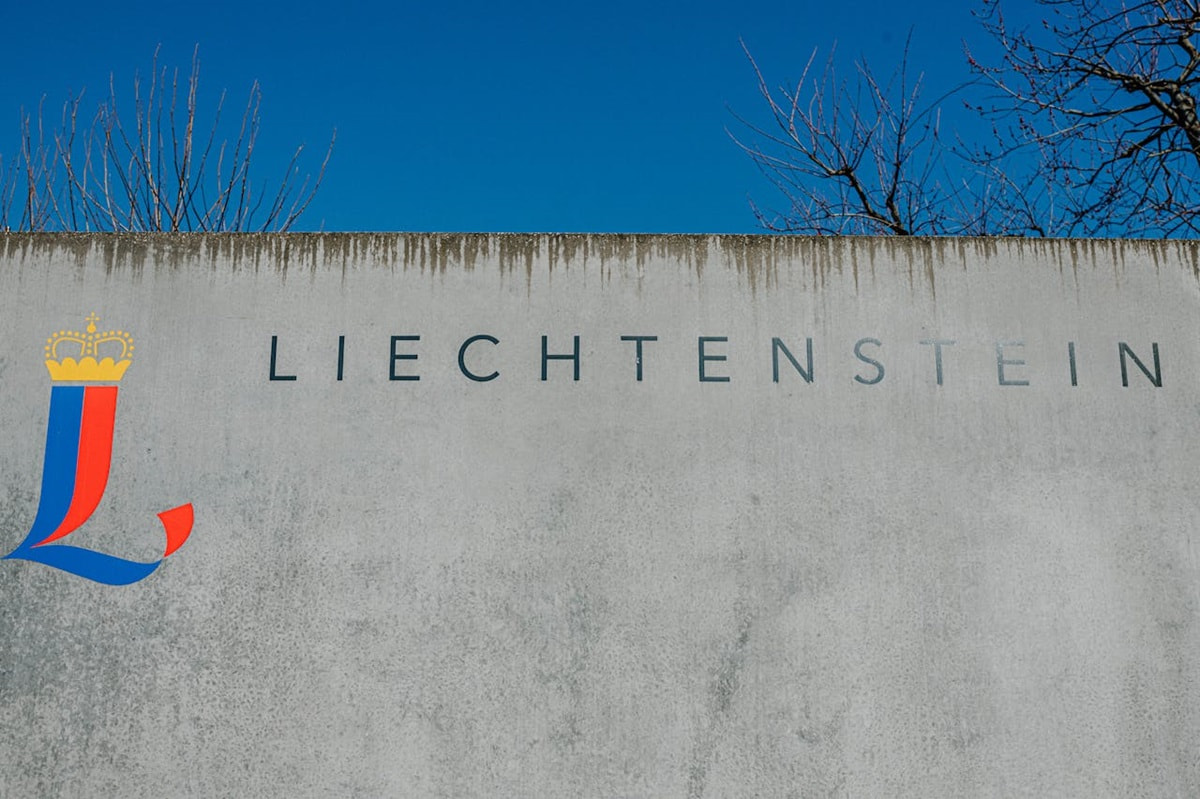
{"x": 482, "y": 116}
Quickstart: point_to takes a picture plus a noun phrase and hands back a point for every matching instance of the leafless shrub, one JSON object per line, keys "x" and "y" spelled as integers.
{"x": 158, "y": 166}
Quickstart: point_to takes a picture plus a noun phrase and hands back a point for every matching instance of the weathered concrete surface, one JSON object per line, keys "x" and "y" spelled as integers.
{"x": 665, "y": 588}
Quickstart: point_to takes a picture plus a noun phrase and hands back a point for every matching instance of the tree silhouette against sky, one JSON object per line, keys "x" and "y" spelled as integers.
{"x": 153, "y": 161}
{"x": 1094, "y": 132}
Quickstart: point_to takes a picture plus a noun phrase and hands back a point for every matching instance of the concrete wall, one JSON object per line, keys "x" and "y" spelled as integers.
{"x": 608, "y": 587}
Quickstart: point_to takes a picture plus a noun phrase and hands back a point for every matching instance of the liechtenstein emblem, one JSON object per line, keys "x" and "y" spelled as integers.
{"x": 79, "y": 448}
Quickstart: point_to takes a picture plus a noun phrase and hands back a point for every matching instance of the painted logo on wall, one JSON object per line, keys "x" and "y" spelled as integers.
{"x": 79, "y": 445}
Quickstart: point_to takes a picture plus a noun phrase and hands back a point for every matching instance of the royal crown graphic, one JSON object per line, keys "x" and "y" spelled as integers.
{"x": 84, "y": 368}
{"x": 89, "y": 366}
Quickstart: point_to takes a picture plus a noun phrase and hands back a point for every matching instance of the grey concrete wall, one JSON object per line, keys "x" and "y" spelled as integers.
{"x": 599, "y": 588}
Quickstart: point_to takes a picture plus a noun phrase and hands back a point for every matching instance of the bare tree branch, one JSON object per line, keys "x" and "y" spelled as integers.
{"x": 144, "y": 170}
{"x": 1105, "y": 94}
{"x": 863, "y": 156}
{"x": 1095, "y": 132}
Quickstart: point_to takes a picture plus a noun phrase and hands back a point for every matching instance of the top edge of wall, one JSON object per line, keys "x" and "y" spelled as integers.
{"x": 755, "y": 254}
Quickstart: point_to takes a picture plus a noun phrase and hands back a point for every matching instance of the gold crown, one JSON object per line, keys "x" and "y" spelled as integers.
{"x": 88, "y": 366}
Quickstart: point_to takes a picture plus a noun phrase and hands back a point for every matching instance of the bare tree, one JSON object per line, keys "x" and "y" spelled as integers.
{"x": 863, "y": 156}
{"x": 1105, "y": 94}
{"x": 1094, "y": 132}
{"x": 158, "y": 166}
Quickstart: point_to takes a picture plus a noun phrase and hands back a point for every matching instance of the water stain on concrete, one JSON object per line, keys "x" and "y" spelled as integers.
{"x": 760, "y": 260}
